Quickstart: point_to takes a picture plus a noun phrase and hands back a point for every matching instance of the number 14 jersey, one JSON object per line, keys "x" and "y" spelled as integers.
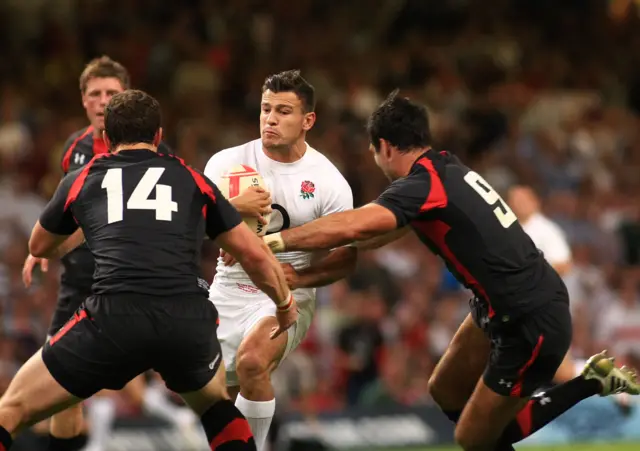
{"x": 462, "y": 219}
{"x": 144, "y": 216}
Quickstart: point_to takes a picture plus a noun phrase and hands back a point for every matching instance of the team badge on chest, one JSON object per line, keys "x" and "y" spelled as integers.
{"x": 307, "y": 189}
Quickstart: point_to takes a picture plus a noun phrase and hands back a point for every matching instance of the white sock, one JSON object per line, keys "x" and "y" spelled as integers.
{"x": 259, "y": 415}
{"x": 156, "y": 403}
{"x": 101, "y": 413}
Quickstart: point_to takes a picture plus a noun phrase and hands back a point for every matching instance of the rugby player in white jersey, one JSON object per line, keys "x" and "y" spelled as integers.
{"x": 303, "y": 185}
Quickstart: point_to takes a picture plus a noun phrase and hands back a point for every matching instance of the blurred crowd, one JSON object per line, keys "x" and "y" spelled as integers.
{"x": 534, "y": 92}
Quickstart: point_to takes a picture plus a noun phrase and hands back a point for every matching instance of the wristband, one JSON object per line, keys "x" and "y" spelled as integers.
{"x": 275, "y": 242}
{"x": 285, "y": 305}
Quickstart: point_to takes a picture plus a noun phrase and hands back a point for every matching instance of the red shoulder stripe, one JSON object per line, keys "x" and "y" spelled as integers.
{"x": 437, "y": 195}
{"x": 78, "y": 183}
{"x": 67, "y": 155}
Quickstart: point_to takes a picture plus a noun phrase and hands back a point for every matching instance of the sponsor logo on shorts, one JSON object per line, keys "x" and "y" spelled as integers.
{"x": 247, "y": 288}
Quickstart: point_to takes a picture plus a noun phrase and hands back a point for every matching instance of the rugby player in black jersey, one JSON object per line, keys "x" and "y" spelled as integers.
{"x": 519, "y": 328}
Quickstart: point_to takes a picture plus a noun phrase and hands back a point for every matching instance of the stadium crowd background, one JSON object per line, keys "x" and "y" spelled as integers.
{"x": 538, "y": 92}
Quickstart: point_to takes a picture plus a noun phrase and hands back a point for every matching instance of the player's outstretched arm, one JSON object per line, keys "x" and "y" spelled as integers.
{"x": 336, "y": 265}
{"x": 335, "y": 230}
{"x": 382, "y": 240}
{"x": 254, "y": 256}
{"x": 264, "y": 271}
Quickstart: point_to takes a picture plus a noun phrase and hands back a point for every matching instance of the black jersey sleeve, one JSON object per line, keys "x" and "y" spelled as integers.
{"x": 57, "y": 217}
{"x": 410, "y": 196}
{"x": 221, "y": 215}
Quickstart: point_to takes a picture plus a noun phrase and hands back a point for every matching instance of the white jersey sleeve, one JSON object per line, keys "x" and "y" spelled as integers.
{"x": 338, "y": 197}
{"x": 216, "y": 166}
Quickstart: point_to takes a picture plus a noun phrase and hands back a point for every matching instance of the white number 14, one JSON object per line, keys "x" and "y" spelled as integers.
{"x": 502, "y": 211}
{"x": 139, "y": 200}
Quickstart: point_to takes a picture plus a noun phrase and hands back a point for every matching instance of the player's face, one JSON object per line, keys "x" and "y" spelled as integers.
{"x": 98, "y": 93}
{"x": 282, "y": 119}
{"x": 381, "y": 158}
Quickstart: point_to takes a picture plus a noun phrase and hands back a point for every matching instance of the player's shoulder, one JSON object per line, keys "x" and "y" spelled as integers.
{"x": 230, "y": 156}
{"x": 235, "y": 153}
{"x": 82, "y": 136}
{"x": 322, "y": 165}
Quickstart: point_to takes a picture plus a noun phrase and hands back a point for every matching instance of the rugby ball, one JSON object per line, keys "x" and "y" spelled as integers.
{"x": 234, "y": 182}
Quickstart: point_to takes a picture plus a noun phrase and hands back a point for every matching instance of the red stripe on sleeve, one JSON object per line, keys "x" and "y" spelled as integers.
{"x": 67, "y": 156}
{"x": 78, "y": 183}
{"x": 437, "y": 195}
{"x": 204, "y": 187}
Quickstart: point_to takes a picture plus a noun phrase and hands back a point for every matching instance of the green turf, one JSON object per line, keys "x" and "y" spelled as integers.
{"x": 572, "y": 447}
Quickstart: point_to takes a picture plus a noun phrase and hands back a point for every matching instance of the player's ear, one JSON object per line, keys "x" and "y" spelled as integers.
{"x": 385, "y": 149}
{"x": 308, "y": 121}
{"x": 158, "y": 138}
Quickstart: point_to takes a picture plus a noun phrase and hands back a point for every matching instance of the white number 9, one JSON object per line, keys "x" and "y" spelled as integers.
{"x": 505, "y": 215}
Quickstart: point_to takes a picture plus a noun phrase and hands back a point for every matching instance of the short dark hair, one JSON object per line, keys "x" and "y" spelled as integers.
{"x": 404, "y": 124}
{"x": 132, "y": 117}
{"x": 104, "y": 67}
{"x": 292, "y": 81}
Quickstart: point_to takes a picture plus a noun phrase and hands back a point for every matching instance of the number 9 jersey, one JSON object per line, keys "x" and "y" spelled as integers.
{"x": 462, "y": 219}
{"x": 144, "y": 216}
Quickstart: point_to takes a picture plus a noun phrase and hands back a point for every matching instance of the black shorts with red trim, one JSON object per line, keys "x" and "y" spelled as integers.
{"x": 526, "y": 355}
{"x": 66, "y": 306}
{"x": 111, "y": 340}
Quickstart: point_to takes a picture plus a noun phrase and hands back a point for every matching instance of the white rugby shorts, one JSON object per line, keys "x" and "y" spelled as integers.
{"x": 239, "y": 312}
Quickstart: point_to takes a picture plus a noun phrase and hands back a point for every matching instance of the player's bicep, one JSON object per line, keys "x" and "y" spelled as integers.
{"x": 221, "y": 215}
{"x": 407, "y": 197}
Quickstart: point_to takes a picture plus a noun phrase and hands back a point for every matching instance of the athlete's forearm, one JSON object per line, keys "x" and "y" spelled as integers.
{"x": 382, "y": 240}
{"x": 325, "y": 233}
{"x": 338, "y": 264}
{"x": 265, "y": 272}
{"x": 74, "y": 240}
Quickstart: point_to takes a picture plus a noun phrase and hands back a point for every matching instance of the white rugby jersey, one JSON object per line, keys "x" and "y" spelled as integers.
{"x": 302, "y": 191}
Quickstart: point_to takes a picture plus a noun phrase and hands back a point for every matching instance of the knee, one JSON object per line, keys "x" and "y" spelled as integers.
{"x": 436, "y": 389}
{"x": 251, "y": 365}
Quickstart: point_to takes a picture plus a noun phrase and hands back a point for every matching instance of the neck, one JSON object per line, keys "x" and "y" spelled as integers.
{"x": 97, "y": 134}
{"x": 288, "y": 154}
{"x": 136, "y": 146}
{"x": 406, "y": 161}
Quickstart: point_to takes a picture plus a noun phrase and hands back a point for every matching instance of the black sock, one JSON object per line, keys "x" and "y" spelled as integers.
{"x": 5, "y": 439}
{"x": 67, "y": 444}
{"x": 547, "y": 406}
{"x": 227, "y": 429}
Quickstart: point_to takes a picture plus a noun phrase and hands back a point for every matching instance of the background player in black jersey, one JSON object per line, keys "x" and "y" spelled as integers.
{"x": 100, "y": 80}
{"x": 144, "y": 216}
{"x": 519, "y": 329}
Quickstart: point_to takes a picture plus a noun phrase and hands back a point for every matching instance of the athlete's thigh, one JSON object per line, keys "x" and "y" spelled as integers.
{"x": 258, "y": 346}
{"x": 33, "y": 395}
{"x": 86, "y": 355}
{"x": 190, "y": 355}
{"x": 456, "y": 374}
{"x": 202, "y": 399}
{"x": 485, "y": 417}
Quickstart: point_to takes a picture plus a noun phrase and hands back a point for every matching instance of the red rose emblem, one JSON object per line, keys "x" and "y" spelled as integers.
{"x": 308, "y": 187}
